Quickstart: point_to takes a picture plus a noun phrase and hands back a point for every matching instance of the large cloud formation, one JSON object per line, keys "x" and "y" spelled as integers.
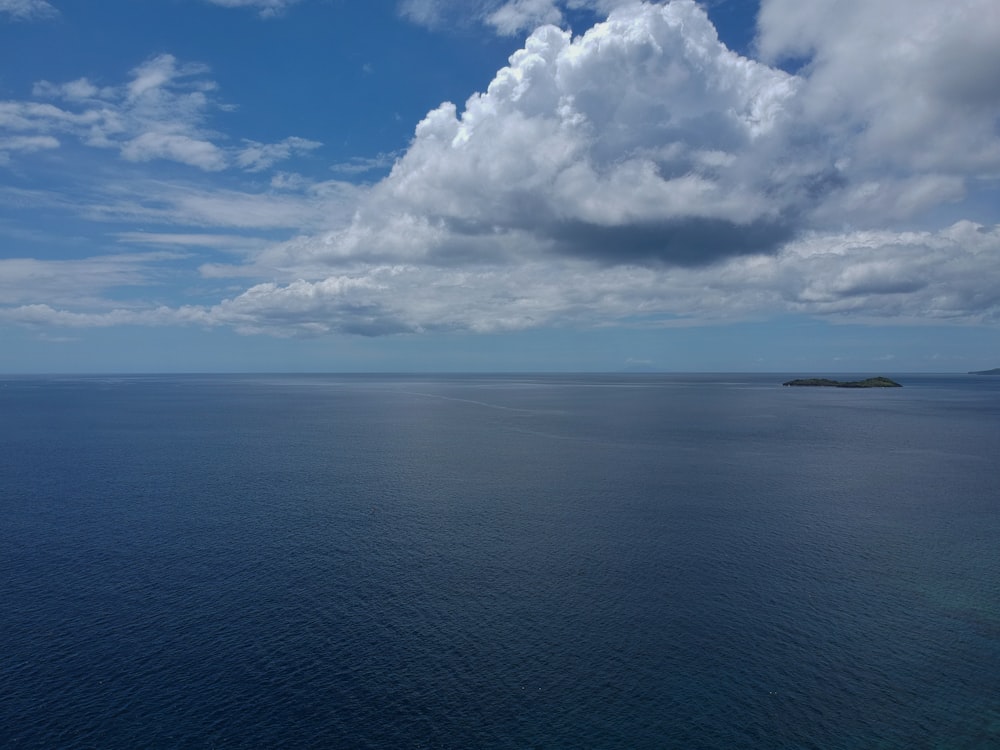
{"x": 637, "y": 141}
{"x": 644, "y": 172}
{"x": 645, "y": 169}
{"x": 643, "y": 141}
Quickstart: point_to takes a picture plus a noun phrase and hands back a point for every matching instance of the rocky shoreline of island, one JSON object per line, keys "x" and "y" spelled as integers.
{"x": 879, "y": 382}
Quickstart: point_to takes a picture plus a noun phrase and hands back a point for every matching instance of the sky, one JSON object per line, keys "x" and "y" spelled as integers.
{"x": 499, "y": 185}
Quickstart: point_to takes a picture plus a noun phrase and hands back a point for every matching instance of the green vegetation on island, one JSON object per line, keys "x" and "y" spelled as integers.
{"x": 878, "y": 382}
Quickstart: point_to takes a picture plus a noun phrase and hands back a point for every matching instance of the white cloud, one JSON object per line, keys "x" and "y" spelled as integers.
{"x": 174, "y": 147}
{"x": 266, "y": 8}
{"x": 224, "y": 242}
{"x": 517, "y": 15}
{"x": 46, "y": 315}
{"x": 149, "y": 78}
{"x": 46, "y": 118}
{"x": 641, "y": 171}
{"x": 25, "y": 144}
{"x": 506, "y": 17}
{"x": 25, "y": 10}
{"x": 310, "y": 207}
{"x": 170, "y": 203}
{"x": 946, "y": 276}
{"x": 929, "y": 277}
{"x": 160, "y": 113}
{"x": 79, "y": 90}
{"x": 640, "y": 139}
{"x": 256, "y": 157}
{"x": 898, "y": 85}
{"x": 422, "y": 12}
{"x": 361, "y": 165}
{"x": 77, "y": 283}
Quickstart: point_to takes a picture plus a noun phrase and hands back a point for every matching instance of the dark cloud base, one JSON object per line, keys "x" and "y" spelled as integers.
{"x": 691, "y": 242}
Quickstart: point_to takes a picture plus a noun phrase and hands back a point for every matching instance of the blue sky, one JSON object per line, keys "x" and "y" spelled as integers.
{"x": 328, "y": 185}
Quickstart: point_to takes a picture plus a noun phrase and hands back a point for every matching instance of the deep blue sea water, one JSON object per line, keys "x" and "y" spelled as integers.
{"x": 635, "y": 561}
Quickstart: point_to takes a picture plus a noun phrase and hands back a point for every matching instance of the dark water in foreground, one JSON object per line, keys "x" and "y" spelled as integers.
{"x": 508, "y": 562}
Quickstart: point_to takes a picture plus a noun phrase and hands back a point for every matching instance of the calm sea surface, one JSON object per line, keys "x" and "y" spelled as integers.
{"x": 643, "y": 561}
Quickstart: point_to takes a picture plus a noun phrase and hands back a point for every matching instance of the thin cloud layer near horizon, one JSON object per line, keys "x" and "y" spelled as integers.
{"x": 533, "y": 184}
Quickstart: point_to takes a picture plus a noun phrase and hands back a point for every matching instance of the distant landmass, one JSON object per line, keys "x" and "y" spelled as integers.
{"x": 878, "y": 382}
{"x": 994, "y": 371}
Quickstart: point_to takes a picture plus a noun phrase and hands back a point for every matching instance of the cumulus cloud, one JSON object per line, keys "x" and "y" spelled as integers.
{"x": 160, "y": 113}
{"x": 517, "y": 15}
{"x": 948, "y": 275}
{"x": 644, "y": 140}
{"x": 643, "y": 168}
{"x": 944, "y": 276}
{"x": 930, "y": 277}
{"x": 640, "y": 171}
{"x": 904, "y": 86}
{"x": 512, "y": 17}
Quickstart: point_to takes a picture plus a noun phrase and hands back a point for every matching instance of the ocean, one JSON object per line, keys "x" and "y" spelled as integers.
{"x": 505, "y": 561}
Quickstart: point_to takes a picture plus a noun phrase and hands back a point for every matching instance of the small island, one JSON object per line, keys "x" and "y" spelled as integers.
{"x": 994, "y": 371}
{"x": 878, "y": 382}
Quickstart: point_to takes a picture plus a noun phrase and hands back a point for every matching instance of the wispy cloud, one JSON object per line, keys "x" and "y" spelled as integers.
{"x": 174, "y": 147}
{"x": 227, "y": 242}
{"x": 256, "y": 157}
{"x": 362, "y": 165}
{"x": 505, "y": 17}
{"x": 245, "y": 222}
{"x": 25, "y": 144}
{"x": 266, "y": 8}
{"x": 161, "y": 113}
{"x": 78, "y": 283}
{"x": 27, "y": 10}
